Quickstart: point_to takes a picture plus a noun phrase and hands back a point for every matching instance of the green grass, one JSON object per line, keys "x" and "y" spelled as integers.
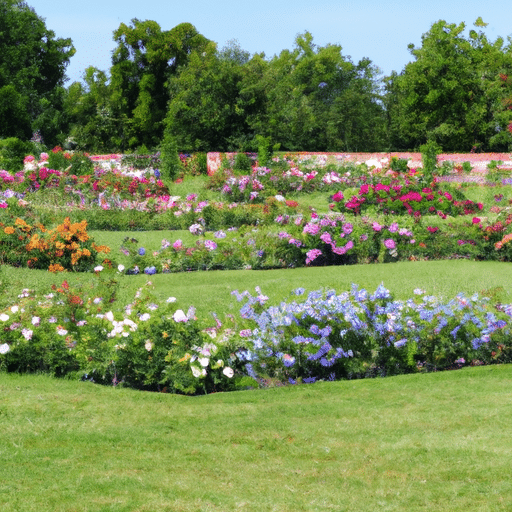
{"x": 211, "y": 291}
{"x": 419, "y": 442}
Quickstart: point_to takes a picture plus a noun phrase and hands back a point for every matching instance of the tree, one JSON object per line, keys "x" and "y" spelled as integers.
{"x": 32, "y": 72}
{"x": 146, "y": 57}
{"x": 314, "y": 98}
{"x": 451, "y": 92}
{"x": 205, "y": 111}
{"x": 93, "y": 127}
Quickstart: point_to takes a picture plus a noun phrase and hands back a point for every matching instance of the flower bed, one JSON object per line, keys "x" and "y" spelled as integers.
{"x": 384, "y": 215}
{"x": 324, "y": 336}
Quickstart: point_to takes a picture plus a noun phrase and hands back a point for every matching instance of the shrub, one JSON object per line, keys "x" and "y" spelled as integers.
{"x": 12, "y": 153}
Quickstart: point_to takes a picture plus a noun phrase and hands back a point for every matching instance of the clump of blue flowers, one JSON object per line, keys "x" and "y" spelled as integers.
{"x": 325, "y": 335}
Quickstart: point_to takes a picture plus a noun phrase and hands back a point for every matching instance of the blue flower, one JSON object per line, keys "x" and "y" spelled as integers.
{"x": 142, "y": 251}
{"x": 157, "y": 173}
{"x": 150, "y": 270}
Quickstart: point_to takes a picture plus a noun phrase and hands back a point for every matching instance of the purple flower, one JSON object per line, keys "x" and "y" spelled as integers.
{"x": 142, "y": 251}
{"x": 311, "y": 229}
{"x": 347, "y": 228}
{"x": 210, "y": 245}
{"x": 393, "y": 228}
{"x": 150, "y": 270}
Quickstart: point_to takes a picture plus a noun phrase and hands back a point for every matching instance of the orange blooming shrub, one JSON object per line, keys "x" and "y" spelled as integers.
{"x": 66, "y": 247}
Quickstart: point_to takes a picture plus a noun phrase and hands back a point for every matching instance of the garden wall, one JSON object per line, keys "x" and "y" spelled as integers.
{"x": 479, "y": 161}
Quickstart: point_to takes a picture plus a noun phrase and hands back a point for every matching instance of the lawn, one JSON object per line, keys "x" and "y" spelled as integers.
{"x": 439, "y": 441}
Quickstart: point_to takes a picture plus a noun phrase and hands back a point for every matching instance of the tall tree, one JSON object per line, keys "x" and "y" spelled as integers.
{"x": 451, "y": 92}
{"x": 146, "y": 57}
{"x": 205, "y": 111}
{"x": 32, "y": 72}
{"x": 306, "y": 94}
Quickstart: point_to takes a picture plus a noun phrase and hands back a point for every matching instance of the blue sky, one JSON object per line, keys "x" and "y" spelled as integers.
{"x": 379, "y": 30}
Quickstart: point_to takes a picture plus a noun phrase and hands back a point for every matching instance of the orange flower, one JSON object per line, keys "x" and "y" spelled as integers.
{"x": 9, "y": 230}
{"x": 56, "y": 268}
{"x": 101, "y": 248}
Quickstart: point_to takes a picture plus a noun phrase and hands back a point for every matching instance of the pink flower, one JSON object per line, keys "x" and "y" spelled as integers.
{"x": 210, "y": 245}
{"x": 338, "y": 197}
{"x": 476, "y": 220}
{"x": 178, "y": 244}
{"x": 312, "y": 255}
{"x": 311, "y": 229}
{"x": 389, "y": 243}
{"x": 326, "y": 237}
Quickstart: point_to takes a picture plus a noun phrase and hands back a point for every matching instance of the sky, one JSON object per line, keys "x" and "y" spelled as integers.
{"x": 379, "y": 30}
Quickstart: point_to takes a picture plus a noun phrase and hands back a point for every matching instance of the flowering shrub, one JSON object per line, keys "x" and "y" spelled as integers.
{"x": 330, "y": 336}
{"x": 66, "y": 247}
{"x": 401, "y": 196}
{"x": 142, "y": 344}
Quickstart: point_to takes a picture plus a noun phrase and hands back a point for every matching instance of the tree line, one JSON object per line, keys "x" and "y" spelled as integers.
{"x": 177, "y": 85}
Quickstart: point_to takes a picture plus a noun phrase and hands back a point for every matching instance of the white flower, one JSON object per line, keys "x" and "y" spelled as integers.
{"x": 130, "y": 323}
{"x": 279, "y": 197}
{"x": 14, "y": 309}
{"x": 99, "y": 268}
{"x": 4, "y": 317}
{"x": 109, "y": 316}
{"x": 61, "y": 331}
{"x": 144, "y": 317}
{"x": 228, "y": 372}
{"x": 148, "y": 345}
{"x": 373, "y": 163}
{"x": 27, "y": 334}
{"x": 204, "y": 361}
{"x": 4, "y": 348}
{"x": 198, "y": 373}
{"x": 171, "y": 299}
{"x": 120, "y": 268}
{"x": 36, "y": 320}
{"x": 179, "y": 316}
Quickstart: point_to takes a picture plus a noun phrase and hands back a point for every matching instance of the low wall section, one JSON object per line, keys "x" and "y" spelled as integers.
{"x": 479, "y": 161}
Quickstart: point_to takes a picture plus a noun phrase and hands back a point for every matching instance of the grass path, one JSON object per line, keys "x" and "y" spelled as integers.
{"x": 211, "y": 291}
{"x": 418, "y": 442}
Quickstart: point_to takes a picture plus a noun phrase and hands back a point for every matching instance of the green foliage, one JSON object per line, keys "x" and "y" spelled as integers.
{"x": 265, "y": 151}
{"x": 145, "y": 58}
{"x": 32, "y": 73}
{"x": 399, "y": 164}
{"x": 467, "y": 167}
{"x": 12, "y": 153}
{"x": 451, "y": 92}
{"x": 170, "y": 163}
{"x": 58, "y": 160}
{"x": 429, "y": 152}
